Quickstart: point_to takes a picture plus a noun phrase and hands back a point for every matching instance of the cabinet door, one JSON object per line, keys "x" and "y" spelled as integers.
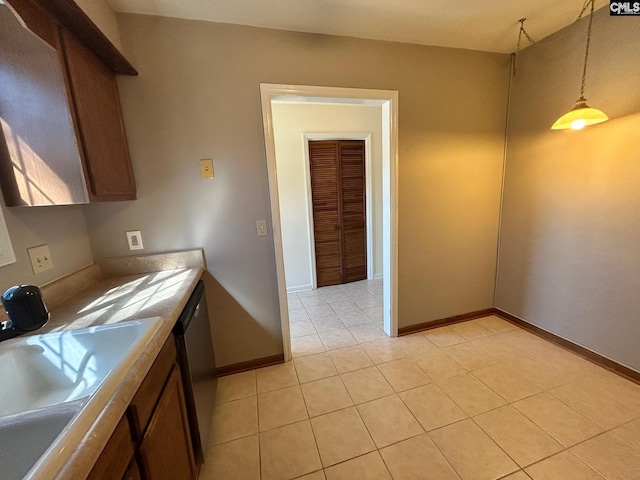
{"x": 117, "y": 454}
{"x": 165, "y": 451}
{"x": 97, "y": 105}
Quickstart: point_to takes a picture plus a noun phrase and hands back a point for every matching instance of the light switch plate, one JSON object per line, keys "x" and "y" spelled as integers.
{"x": 206, "y": 168}
{"x": 261, "y": 228}
{"x": 134, "y": 239}
{"x": 40, "y": 258}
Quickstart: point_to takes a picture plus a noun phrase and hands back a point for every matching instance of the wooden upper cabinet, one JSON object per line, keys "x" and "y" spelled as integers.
{"x": 97, "y": 104}
{"x": 62, "y": 139}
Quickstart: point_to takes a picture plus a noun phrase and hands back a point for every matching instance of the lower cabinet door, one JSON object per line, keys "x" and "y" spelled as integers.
{"x": 165, "y": 451}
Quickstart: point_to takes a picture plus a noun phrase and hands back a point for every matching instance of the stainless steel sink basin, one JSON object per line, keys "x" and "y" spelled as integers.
{"x": 57, "y": 383}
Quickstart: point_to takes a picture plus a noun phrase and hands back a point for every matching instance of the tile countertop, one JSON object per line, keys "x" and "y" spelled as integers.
{"x": 108, "y": 292}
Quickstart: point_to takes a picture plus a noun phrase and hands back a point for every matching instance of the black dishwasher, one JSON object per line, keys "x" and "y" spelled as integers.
{"x": 197, "y": 366}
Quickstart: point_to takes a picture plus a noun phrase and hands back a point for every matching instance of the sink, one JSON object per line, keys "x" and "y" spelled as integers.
{"x": 54, "y": 368}
{"x": 59, "y": 382}
{"x": 24, "y": 439}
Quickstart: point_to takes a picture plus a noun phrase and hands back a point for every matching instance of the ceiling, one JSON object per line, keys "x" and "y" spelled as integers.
{"x": 487, "y": 25}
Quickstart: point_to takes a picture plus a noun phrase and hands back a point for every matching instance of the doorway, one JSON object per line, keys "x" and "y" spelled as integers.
{"x": 387, "y": 103}
{"x": 338, "y": 194}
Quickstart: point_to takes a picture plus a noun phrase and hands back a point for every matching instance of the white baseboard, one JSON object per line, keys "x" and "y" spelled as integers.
{"x": 378, "y": 276}
{"x": 300, "y": 288}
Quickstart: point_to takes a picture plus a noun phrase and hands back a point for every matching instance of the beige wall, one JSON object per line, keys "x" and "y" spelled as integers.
{"x": 104, "y": 17}
{"x": 198, "y": 96}
{"x": 62, "y": 228}
{"x": 291, "y": 121}
{"x": 570, "y": 240}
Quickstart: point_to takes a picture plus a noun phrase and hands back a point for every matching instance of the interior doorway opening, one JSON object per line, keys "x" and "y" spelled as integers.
{"x": 386, "y": 101}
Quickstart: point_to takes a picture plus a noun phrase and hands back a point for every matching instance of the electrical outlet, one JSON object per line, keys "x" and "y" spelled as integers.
{"x": 206, "y": 169}
{"x": 261, "y": 228}
{"x": 134, "y": 239}
{"x": 40, "y": 258}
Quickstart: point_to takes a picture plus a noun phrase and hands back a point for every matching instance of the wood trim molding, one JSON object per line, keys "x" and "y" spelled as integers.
{"x": 249, "y": 365}
{"x": 585, "y": 353}
{"x": 421, "y": 327}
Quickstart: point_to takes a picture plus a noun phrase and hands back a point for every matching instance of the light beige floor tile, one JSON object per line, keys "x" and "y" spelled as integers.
{"x": 288, "y": 452}
{"x": 367, "y": 333}
{"x": 281, "y": 407}
{"x": 403, "y": 374}
{"x": 540, "y": 371}
{"x": 301, "y": 328}
{"x": 312, "y": 301}
{"x": 366, "y": 385}
{"x": 314, "y": 367}
{"x": 365, "y": 302}
{"x": 438, "y": 365}
{"x": 234, "y": 387}
{"x": 341, "y": 436}
{"x": 523, "y": 441}
{"x": 443, "y": 337}
{"x": 325, "y": 396}
{"x": 298, "y": 315}
{"x": 417, "y": 459}
{"x": 495, "y": 324}
{"x": 471, "y": 452}
{"x": 517, "y": 476}
{"x": 414, "y": 344}
{"x": 594, "y": 405}
{"x": 623, "y": 391}
{"x": 353, "y": 318}
{"x": 369, "y": 466}
{"x": 350, "y": 359}
{"x": 233, "y": 420}
{"x": 471, "y": 356}
{"x": 507, "y": 382}
{"x": 334, "y": 339}
{"x": 609, "y": 456}
{"x": 344, "y": 306}
{"x": 389, "y": 421}
{"x": 319, "y": 311}
{"x": 473, "y": 396}
{"x": 235, "y": 460}
{"x": 557, "y": 419}
{"x": 432, "y": 407}
{"x": 308, "y": 345}
{"x": 469, "y": 330}
{"x": 382, "y": 351}
{"x": 334, "y": 296}
{"x": 276, "y": 377}
{"x": 629, "y": 433}
{"x": 564, "y": 466}
{"x": 294, "y": 303}
{"x": 319, "y": 475}
{"x": 324, "y": 324}
{"x": 374, "y": 313}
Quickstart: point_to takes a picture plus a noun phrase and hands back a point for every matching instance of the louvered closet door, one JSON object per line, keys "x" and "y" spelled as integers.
{"x": 354, "y": 233}
{"x": 338, "y": 195}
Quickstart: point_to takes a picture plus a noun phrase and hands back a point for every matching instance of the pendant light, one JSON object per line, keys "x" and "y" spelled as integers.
{"x": 582, "y": 114}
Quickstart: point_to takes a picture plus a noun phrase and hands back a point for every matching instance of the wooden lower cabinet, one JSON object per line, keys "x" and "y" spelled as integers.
{"x": 165, "y": 451}
{"x": 152, "y": 440}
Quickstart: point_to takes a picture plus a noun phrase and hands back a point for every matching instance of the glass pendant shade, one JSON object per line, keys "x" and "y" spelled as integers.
{"x": 580, "y": 116}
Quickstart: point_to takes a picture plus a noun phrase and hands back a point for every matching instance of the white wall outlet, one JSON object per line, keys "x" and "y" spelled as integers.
{"x": 261, "y": 228}
{"x": 40, "y": 258}
{"x": 134, "y": 239}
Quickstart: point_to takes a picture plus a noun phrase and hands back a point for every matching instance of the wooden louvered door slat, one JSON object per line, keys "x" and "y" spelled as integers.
{"x": 338, "y": 195}
{"x": 354, "y": 233}
{"x": 325, "y": 173}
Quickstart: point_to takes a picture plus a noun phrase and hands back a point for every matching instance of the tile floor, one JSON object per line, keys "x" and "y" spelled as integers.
{"x": 480, "y": 400}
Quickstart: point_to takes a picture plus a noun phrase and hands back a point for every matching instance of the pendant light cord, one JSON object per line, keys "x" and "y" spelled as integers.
{"x": 520, "y": 33}
{"x": 586, "y": 53}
